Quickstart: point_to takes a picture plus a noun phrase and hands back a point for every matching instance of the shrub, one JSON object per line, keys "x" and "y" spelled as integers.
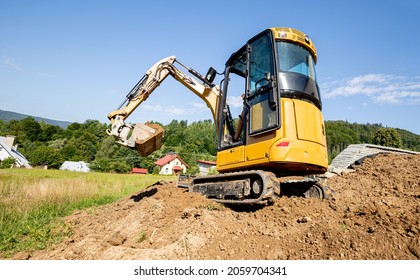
{"x": 387, "y": 137}
{"x": 7, "y": 162}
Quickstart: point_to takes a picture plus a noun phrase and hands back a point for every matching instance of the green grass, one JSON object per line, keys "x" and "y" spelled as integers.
{"x": 141, "y": 236}
{"x": 33, "y": 202}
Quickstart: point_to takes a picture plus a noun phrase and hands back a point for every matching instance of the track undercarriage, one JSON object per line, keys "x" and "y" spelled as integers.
{"x": 253, "y": 187}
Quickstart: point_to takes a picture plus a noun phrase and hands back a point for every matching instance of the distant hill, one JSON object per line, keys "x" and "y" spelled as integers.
{"x": 8, "y": 116}
{"x": 340, "y": 134}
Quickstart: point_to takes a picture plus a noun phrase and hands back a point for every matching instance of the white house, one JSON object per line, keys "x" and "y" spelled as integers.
{"x": 206, "y": 166}
{"x": 8, "y": 150}
{"x": 171, "y": 164}
{"x": 78, "y": 166}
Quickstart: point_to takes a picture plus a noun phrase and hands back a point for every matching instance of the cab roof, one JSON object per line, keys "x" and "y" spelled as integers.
{"x": 285, "y": 34}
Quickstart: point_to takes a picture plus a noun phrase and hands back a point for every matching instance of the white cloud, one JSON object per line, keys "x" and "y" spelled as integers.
{"x": 43, "y": 74}
{"x": 176, "y": 111}
{"x": 152, "y": 108}
{"x": 11, "y": 64}
{"x": 200, "y": 106}
{"x": 235, "y": 101}
{"x": 380, "y": 88}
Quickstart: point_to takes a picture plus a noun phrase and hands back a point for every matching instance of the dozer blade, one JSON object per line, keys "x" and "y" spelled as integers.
{"x": 185, "y": 180}
{"x": 147, "y": 137}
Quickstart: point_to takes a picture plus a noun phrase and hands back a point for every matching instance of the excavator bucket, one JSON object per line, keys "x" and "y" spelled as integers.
{"x": 147, "y": 137}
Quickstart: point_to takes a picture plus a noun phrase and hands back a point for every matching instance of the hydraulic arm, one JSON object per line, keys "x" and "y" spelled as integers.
{"x": 129, "y": 135}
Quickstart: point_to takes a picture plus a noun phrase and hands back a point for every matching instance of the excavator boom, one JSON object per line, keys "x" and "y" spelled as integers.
{"x": 148, "y": 137}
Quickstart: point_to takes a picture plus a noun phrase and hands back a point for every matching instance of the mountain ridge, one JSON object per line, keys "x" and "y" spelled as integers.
{"x": 9, "y": 115}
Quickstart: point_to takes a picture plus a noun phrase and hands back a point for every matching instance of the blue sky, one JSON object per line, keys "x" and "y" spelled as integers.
{"x": 76, "y": 60}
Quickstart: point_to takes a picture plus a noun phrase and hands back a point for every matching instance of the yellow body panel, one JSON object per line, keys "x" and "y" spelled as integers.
{"x": 231, "y": 156}
{"x": 302, "y": 129}
{"x": 309, "y": 122}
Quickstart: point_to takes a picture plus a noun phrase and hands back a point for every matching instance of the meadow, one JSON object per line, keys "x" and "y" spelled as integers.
{"x": 33, "y": 202}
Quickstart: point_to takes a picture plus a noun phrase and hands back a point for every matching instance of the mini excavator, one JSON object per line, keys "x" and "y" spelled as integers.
{"x": 278, "y": 147}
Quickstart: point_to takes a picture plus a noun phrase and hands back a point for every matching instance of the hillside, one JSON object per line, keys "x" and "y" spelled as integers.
{"x": 8, "y": 116}
{"x": 340, "y": 134}
{"x": 373, "y": 215}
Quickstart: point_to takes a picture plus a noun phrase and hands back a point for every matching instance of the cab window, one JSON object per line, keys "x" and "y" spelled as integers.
{"x": 262, "y": 98}
{"x": 296, "y": 59}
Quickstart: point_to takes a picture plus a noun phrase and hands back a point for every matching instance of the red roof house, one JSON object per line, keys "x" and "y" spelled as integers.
{"x": 171, "y": 164}
{"x": 206, "y": 166}
{"x": 138, "y": 170}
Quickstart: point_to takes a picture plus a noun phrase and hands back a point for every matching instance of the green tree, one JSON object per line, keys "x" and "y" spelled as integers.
{"x": 200, "y": 137}
{"x": 83, "y": 147}
{"x": 95, "y": 127}
{"x": 2, "y": 127}
{"x": 14, "y": 128}
{"x": 175, "y": 133}
{"x": 100, "y": 165}
{"x": 107, "y": 148}
{"x": 50, "y": 132}
{"x": 46, "y": 155}
{"x": 387, "y": 137}
{"x": 30, "y": 129}
{"x": 7, "y": 162}
{"x": 119, "y": 167}
{"x": 70, "y": 152}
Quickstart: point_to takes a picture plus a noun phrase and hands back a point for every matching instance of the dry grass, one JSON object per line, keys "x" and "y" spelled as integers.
{"x": 30, "y": 188}
{"x": 32, "y": 193}
{"x": 32, "y": 202}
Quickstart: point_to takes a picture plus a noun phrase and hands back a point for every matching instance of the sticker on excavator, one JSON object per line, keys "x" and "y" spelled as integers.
{"x": 148, "y": 138}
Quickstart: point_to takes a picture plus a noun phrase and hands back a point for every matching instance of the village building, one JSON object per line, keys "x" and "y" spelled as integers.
{"x": 206, "y": 166}
{"x": 135, "y": 170}
{"x": 7, "y": 149}
{"x": 78, "y": 166}
{"x": 171, "y": 164}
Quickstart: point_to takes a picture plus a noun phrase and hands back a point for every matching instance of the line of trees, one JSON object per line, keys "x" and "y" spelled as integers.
{"x": 340, "y": 134}
{"x": 49, "y": 144}
{"x": 45, "y": 144}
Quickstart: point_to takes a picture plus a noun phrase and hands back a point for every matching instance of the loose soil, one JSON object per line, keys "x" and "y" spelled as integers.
{"x": 374, "y": 214}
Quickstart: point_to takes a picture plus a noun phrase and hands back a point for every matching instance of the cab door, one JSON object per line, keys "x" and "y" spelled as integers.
{"x": 254, "y": 65}
{"x": 262, "y": 97}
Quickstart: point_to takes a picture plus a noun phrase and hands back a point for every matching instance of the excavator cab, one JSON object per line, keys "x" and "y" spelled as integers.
{"x": 282, "y": 128}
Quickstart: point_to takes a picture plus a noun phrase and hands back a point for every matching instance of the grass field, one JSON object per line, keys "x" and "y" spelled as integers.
{"x": 32, "y": 202}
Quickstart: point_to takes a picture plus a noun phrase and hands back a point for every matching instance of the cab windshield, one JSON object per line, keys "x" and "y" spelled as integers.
{"x": 296, "y": 59}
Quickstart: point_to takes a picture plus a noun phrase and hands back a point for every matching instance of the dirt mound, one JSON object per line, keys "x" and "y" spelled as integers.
{"x": 375, "y": 214}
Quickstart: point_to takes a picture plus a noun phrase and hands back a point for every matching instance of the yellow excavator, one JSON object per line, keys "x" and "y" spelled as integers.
{"x": 279, "y": 144}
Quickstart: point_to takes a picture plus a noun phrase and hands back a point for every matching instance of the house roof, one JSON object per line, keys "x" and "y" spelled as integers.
{"x": 177, "y": 168}
{"x": 13, "y": 152}
{"x": 168, "y": 158}
{"x": 75, "y": 166}
{"x": 139, "y": 170}
{"x": 206, "y": 162}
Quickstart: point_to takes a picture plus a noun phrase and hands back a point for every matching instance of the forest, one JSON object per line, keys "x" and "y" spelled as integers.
{"x": 47, "y": 144}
